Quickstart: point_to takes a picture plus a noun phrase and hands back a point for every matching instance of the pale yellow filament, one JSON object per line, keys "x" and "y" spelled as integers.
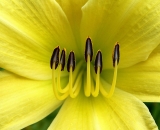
{"x": 87, "y": 88}
{"x": 76, "y": 89}
{"x": 75, "y": 77}
{"x": 70, "y": 80}
{"x": 111, "y": 91}
{"x": 60, "y": 89}
{"x": 59, "y": 97}
{"x": 95, "y": 91}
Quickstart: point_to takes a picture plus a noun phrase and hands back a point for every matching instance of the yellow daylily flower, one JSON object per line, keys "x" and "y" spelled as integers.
{"x": 32, "y": 29}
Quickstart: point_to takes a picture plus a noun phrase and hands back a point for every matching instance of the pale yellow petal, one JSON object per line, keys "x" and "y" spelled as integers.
{"x": 123, "y": 111}
{"x": 4, "y": 73}
{"x": 30, "y": 30}
{"x": 143, "y": 79}
{"x": 135, "y": 24}
{"x": 72, "y": 9}
{"x": 24, "y": 102}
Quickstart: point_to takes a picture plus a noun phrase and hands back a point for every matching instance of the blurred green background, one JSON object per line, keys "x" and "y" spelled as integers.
{"x": 154, "y": 108}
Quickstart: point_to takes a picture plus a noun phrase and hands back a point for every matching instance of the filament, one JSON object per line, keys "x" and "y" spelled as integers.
{"x": 60, "y": 89}
{"x": 111, "y": 91}
{"x": 95, "y": 90}
{"x": 87, "y": 88}
{"x": 57, "y": 95}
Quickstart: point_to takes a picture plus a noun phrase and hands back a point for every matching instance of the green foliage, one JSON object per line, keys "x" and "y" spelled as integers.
{"x": 154, "y": 108}
{"x": 1, "y": 69}
{"x": 44, "y": 123}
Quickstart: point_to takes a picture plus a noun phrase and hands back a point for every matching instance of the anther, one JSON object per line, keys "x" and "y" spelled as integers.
{"x": 71, "y": 61}
{"x": 55, "y": 57}
{"x": 98, "y": 61}
{"x": 88, "y": 49}
{"x": 62, "y": 59}
{"x": 116, "y": 54}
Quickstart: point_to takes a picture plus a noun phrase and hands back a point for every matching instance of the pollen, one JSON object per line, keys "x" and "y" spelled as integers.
{"x": 82, "y": 76}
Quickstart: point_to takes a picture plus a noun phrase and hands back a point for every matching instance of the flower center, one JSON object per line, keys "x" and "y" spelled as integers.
{"x": 82, "y": 74}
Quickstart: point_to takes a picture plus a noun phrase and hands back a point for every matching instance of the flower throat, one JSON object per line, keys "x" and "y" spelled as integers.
{"x": 92, "y": 85}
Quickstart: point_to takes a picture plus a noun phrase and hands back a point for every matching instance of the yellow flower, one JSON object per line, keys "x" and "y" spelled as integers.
{"x": 31, "y": 29}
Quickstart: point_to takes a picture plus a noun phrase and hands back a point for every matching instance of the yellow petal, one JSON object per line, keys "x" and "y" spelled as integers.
{"x": 123, "y": 111}
{"x": 72, "y": 9}
{"x": 143, "y": 79}
{"x": 30, "y": 30}
{"x": 4, "y": 73}
{"x": 24, "y": 102}
{"x": 134, "y": 24}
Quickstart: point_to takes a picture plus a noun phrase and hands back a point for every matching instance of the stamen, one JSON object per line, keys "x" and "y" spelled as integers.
{"x": 115, "y": 57}
{"x": 55, "y": 58}
{"x": 70, "y": 68}
{"x": 61, "y": 68}
{"x": 98, "y": 69}
{"x": 88, "y": 58}
{"x": 54, "y": 64}
{"x": 91, "y": 86}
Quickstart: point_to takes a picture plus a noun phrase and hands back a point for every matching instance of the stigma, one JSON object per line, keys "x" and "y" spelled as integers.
{"x": 82, "y": 75}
